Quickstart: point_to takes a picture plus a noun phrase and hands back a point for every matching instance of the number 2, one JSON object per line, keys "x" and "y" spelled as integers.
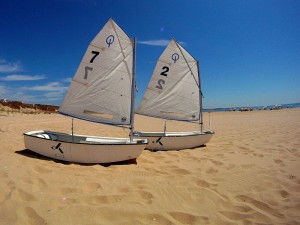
{"x": 160, "y": 82}
{"x": 165, "y": 70}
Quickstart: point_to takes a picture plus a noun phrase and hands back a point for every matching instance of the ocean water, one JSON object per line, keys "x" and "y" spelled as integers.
{"x": 291, "y": 105}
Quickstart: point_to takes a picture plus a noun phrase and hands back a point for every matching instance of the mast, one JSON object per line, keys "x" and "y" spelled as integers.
{"x": 132, "y": 91}
{"x": 200, "y": 100}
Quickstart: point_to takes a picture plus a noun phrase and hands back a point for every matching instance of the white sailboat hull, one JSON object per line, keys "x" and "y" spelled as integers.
{"x": 175, "y": 140}
{"x": 83, "y": 149}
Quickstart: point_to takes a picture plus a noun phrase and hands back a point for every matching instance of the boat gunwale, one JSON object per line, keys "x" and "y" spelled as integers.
{"x": 172, "y": 134}
{"x": 142, "y": 142}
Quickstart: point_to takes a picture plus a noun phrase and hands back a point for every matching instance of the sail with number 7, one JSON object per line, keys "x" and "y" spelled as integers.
{"x": 101, "y": 88}
{"x": 102, "y": 91}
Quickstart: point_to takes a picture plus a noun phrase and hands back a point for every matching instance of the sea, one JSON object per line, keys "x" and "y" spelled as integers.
{"x": 269, "y": 107}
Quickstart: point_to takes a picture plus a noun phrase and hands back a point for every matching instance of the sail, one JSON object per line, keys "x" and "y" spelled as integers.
{"x": 173, "y": 91}
{"x": 101, "y": 88}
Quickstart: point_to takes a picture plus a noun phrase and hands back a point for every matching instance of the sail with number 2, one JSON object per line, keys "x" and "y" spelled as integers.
{"x": 174, "y": 93}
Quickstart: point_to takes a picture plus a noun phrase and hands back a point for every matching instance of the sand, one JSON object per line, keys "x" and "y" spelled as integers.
{"x": 248, "y": 174}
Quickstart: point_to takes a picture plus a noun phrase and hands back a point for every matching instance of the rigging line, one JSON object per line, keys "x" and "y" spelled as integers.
{"x": 132, "y": 77}
{"x": 124, "y": 129}
{"x": 187, "y": 62}
{"x": 122, "y": 51}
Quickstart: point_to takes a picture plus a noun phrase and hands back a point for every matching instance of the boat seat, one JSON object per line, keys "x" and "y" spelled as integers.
{"x": 47, "y": 136}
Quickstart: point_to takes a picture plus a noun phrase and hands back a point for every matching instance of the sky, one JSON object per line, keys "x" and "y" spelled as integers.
{"x": 249, "y": 51}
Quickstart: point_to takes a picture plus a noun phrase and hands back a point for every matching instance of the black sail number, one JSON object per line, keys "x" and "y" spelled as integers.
{"x": 165, "y": 70}
{"x": 94, "y": 57}
{"x": 160, "y": 82}
{"x": 88, "y": 68}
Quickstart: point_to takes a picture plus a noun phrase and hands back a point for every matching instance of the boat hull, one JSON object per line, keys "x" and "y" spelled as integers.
{"x": 83, "y": 149}
{"x": 175, "y": 140}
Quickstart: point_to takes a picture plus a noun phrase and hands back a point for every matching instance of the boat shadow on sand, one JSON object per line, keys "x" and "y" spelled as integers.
{"x": 31, "y": 154}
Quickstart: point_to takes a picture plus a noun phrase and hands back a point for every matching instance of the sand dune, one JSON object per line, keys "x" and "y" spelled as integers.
{"x": 248, "y": 174}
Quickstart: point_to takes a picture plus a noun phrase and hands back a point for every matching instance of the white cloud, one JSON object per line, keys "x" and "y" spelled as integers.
{"x": 6, "y": 67}
{"x": 51, "y": 93}
{"x": 161, "y": 42}
{"x": 54, "y": 86}
{"x": 67, "y": 80}
{"x": 22, "y": 77}
{"x": 12, "y": 94}
{"x": 155, "y": 42}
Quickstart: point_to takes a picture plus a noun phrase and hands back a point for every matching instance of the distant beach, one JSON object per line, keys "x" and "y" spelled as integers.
{"x": 248, "y": 174}
{"x": 268, "y": 107}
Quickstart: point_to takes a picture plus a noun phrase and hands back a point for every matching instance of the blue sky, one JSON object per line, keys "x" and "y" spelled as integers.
{"x": 249, "y": 51}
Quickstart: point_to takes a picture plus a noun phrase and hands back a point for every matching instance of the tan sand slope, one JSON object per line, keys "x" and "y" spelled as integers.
{"x": 248, "y": 174}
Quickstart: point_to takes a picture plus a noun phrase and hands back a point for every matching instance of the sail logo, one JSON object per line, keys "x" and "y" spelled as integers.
{"x": 175, "y": 57}
{"x": 110, "y": 39}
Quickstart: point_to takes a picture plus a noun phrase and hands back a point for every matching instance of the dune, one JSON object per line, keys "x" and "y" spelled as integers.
{"x": 248, "y": 174}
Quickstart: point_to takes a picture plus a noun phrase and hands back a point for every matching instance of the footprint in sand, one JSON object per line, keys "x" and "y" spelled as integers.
{"x": 258, "y": 155}
{"x": 283, "y": 193}
{"x": 111, "y": 199}
{"x": 233, "y": 215}
{"x": 31, "y": 216}
{"x": 25, "y": 196}
{"x": 211, "y": 171}
{"x": 205, "y": 184}
{"x": 146, "y": 196}
{"x": 91, "y": 187}
{"x": 279, "y": 162}
{"x": 187, "y": 218}
{"x": 243, "y": 209}
{"x": 217, "y": 163}
{"x": 179, "y": 171}
{"x": 258, "y": 205}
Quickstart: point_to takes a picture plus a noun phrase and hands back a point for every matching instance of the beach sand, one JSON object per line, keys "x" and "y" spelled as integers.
{"x": 249, "y": 173}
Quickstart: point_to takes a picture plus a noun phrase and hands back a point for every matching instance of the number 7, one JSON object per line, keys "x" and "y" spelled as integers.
{"x": 96, "y": 54}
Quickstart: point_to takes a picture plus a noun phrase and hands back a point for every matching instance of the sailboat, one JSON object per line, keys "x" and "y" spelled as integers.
{"x": 102, "y": 91}
{"x": 174, "y": 93}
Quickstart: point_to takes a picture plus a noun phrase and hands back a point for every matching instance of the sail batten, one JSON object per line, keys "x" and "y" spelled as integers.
{"x": 101, "y": 88}
{"x": 173, "y": 91}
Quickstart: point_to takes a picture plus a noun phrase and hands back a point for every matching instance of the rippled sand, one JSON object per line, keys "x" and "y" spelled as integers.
{"x": 248, "y": 174}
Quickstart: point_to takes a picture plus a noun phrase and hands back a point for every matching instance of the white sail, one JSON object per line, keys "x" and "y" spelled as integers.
{"x": 101, "y": 88}
{"x": 173, "y": 91}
